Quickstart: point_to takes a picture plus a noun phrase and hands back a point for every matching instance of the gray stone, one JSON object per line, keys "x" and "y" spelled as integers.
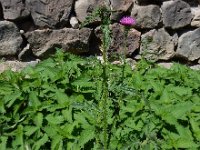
{"x": 132, "y": 41}
{"x": 49, "y": 13}
{"x": 196, "y": 19}
{"x": 146, "y": 16}
{"x": 120, "y": 6}
{"x": 74, "y": 22}
{"x": 176, "y": 14}
{"x": 195, "y": 67}
{"x": 192, "y": 2}
{"x": 165, "y": 65}
{"x": 10, "y": 38}
{"x": 44, "y": 42}
{"x": 16, "y": 66}
{"x": 189, "y": 45}
{"x": 84, "y": 8}
{"x": 158, "y": 45}
{"x": 14, "y": 9}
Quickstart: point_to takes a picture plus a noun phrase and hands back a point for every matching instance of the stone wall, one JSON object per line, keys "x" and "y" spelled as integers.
{"x": 31, "y": 29}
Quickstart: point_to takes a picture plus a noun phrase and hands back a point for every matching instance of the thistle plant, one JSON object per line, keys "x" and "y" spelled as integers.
{"x": 127, "y": 22}
{"x": 103, "y": 13}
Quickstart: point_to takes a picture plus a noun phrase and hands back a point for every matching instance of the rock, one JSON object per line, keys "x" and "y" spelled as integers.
{"x": 16, "y": 65}
{"x": 49, "y": 13}
{"x": 176, "y": 14}
{"x": 74, "y": 22}
{"x": 84, "y": 8}
{"x": 196, "y": 19}
{"x": 120, "y": 6}
{"x": 195, "y": 67}
{"x": 192, "y": 2}
{"x": 189, "y": 45}
{"x": 158, "y": 45}
{"x": 44, "y": 42}
{"x": 14, "y": 9}
{"x": 147, "y": 2}
{"x": 146, "y": 16}
{"x": 10, "y": 38}
{"x": 165, "y": 65}
{"x": 117, "y": 44}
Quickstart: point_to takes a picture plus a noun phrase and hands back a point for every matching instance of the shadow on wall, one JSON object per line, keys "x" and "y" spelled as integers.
{"x": 1, "y": 12}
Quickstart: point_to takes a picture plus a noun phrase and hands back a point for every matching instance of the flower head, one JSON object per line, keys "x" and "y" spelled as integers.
{"x": 127, "y": 21}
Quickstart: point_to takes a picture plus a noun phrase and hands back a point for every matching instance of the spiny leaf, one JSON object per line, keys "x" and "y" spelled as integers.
{"x": 3, "y": 142}
{"x": 85, "y": 136}
{"x": 40, "y": 142}
{"x": 57, "y": 143}
{"x": 67, "y": 114}
{"x": 11, "y": 98}
{"x": 38, "y": 119}
{"x": 186, "y": 144}
{"x": 54, "y": 119}
{"x": 19, "y": 140}
{"x": 61, "y": 97}
{"x": 29, "y": 130}
{"x": 180, "y": 110}
{"x": 34, "y": 99}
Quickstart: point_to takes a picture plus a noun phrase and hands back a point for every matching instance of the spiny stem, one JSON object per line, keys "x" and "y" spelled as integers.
{"x": 106, "y": 35}
{"x": 123, "y": 59}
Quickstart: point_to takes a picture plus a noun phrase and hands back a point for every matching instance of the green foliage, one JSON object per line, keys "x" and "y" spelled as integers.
{"x": 56, "y": 105}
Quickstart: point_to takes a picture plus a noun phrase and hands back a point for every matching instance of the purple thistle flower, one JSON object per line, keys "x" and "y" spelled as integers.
{"x": 127, "y": 21}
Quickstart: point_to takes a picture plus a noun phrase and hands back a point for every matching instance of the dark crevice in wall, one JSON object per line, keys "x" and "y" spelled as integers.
{"x": 27, "y": 24}
{"x": 184, "y": 30}
{"x": 192, "y": 3}
{"x": 1, "y": 12}
{"x": 135, "y": 53}
{"x": 66, "y": 24}
{"x": 23, "y": 1}
{"x": 147, "y": 2}
{"x": 27, "y": 54}
{"x": 94, "y": 45}
{"x": 73, "y": 13}
{"x": 180, "y": 59}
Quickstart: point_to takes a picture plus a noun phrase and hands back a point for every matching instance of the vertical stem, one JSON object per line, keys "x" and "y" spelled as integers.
{"x": 105, "y": 18}
{"x": 106, "y": 42}
{"x": 124, "y": 52}
{"x": 123, "y": 57}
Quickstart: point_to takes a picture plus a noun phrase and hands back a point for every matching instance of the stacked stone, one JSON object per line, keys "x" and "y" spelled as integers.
{"x": 33, "y": 28}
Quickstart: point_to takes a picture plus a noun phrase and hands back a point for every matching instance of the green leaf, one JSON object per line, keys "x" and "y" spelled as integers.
{"x": 86, "y": 136}
{"x": 57, "y": 143}
{"x": 3, "y": 142}
{"x": 61, "y": 97}
{"x": 40, "y": 142}
{"x": 54, "y": 119}
{"x": 185, "y": 143}
{"x": 38, "y": 119}
{"x": 29, "y": 130}
{"x": 19, "y": 140}
{"x": 67, "y": 114}
{"x": 2, "y": 107}
{"x": 180, "y": 110}
{"x": 195, "y": 128}
{"x": 33, "y": 99}
{"x": 11, "y": 98}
